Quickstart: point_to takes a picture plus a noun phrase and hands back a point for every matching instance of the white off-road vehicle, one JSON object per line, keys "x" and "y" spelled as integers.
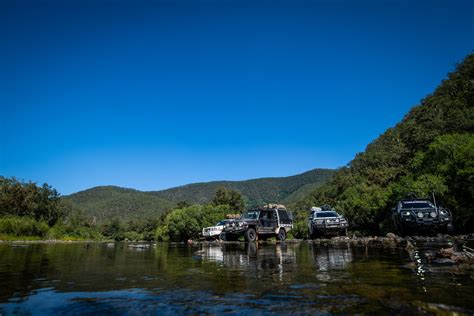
{"x": 214, "y": 232}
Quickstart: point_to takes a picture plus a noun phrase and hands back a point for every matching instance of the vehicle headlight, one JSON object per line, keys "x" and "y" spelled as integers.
{"x": 319, "y": 221}
{"x": 433, "y": 214}
{"x": 337, "y": 220}
{"x": 443, "y": 212}
{"x": 406, "y": 213}
{"x": 420, "y": 215}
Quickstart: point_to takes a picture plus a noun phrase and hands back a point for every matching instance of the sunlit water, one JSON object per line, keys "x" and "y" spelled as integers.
{"x": 98, "y": 278}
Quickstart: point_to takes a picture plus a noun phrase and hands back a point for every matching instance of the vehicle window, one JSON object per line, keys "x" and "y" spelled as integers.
{"x": 326, "y": 214}
{"x": 283, "y": 215}
{"x": 417, "y": 204}
{"x": 221, "y": 223}
{"x": 250, "y": 215}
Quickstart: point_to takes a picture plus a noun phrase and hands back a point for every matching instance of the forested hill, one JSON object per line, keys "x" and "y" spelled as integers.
{"x": 430, "y": 150}
{"x": 108, "y": 201}
{"x": 256, "y": 191}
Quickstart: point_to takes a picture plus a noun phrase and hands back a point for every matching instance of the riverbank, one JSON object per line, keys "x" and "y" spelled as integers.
{"x": 389, "y": 240}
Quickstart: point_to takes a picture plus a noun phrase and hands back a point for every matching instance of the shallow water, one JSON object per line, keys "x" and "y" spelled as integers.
{"x": 92, "y": 278}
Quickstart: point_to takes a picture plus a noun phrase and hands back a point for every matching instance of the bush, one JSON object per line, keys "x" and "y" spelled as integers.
{"x": 71, "y": 232}
{"x": 187, "y": 223}
{"x": 299, "y": 231}
{"x": 133, "y": 236}
{"x": 23, "y": 226}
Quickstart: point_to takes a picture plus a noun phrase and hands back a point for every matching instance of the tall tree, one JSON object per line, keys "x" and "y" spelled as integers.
{"x": 232, "y": 198}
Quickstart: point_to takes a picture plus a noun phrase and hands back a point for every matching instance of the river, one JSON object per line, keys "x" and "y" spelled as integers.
{"x": 234, "y": 278}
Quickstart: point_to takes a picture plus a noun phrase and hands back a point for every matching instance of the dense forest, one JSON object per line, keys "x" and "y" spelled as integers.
{"x": 430, "y": 151}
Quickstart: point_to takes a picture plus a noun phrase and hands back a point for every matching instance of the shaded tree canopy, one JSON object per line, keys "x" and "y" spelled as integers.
{"x": 228, "y": 197}
{"x": 28, "y": 199}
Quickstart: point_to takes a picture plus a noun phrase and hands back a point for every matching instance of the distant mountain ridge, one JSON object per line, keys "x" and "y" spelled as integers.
{"x": 105, "y": 202}
{"x": 255, "y": 191}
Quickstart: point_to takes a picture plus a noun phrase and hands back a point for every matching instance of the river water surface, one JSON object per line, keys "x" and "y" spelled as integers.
{"x": 303, "y": 278}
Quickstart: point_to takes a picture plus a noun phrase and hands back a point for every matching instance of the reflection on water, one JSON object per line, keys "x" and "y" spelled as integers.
{"x": 327, "y": 258}
{"x": 231, "y": 277}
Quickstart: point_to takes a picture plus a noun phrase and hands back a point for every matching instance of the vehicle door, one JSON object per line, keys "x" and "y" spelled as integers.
{"x": 268, "y": 221}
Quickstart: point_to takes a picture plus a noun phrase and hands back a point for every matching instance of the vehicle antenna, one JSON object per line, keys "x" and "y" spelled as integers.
{"x": 434, "y": 199}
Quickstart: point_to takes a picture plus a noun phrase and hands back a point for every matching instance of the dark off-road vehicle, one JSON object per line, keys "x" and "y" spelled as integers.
{"x": 421, "y": 215}
{"x": 268, "y": 221}
{"x": 325, "y": 221}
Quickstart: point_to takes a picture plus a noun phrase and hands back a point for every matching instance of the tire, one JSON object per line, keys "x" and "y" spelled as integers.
{"x": 281, "y": 236}
{"x": 223, "y": 236}
{"x": 399, "y": 228}
{"x": 450, "y": 229}
{"x": 250, "y": 235}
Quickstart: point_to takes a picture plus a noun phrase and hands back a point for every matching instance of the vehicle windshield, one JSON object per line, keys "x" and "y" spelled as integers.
{"x": 250, "y": 215}
{"x": 221, "y": 223}
{"x": 417, "y": 204}
{"x": 326, "y": 214}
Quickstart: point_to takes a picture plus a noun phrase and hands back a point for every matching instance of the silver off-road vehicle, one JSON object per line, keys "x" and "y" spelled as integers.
{"x": 324, "y": 221}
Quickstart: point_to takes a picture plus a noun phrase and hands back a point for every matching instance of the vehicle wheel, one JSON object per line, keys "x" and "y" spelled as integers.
{"x": 450, "y": 229}
{"x": 250, "y": 235}
{"x": 399, "y": 229}
{"x": 223, "y": 236}
{"x": 281, "y": 236}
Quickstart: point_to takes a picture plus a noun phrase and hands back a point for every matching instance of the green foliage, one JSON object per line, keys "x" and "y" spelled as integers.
{"x": 73, "y": 232}
{"x": 103, "y": 203}
{"x": 133, "y": 236}
{"x": 231, "y": 198}
{"x": 23, "y": 226}
{"x": 187, "y": 223}
{"x": 28, "y": 199}
{"x": 299, "y": 231}
{"x": 114, "y": 230}
{"x": 430, "y": 150}
{"x": 255, "y": 192}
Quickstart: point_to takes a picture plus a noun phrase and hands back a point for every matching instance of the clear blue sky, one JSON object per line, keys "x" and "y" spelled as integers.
{"x": 154, "y": 94}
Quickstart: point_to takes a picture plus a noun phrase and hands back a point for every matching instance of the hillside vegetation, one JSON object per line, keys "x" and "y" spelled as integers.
{"x": 430, "y": 150}
{"x": 255, "y": 191}
{"x": 110, "y": 201}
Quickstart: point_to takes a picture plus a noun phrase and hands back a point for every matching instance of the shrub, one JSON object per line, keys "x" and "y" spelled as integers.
{"x": 71, "y": 232}
{"x": 133, "y": 236}
{"x": 23, "y": 226}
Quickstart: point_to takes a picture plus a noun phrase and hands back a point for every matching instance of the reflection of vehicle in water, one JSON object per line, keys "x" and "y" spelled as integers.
{"x": 277, "y": 257}
{"x": 323, "y": 221}
{"x": 420, "y": 215}
{"x": 214, "y": 231}
{"x": 331, "y": 258}
{"x": 262, "y": 223}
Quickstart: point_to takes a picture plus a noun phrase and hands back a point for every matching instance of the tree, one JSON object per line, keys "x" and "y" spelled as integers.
{"x": 187, "y": 223}
{"x": 28, "y": 199}
{"x": 228, "y": 197}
